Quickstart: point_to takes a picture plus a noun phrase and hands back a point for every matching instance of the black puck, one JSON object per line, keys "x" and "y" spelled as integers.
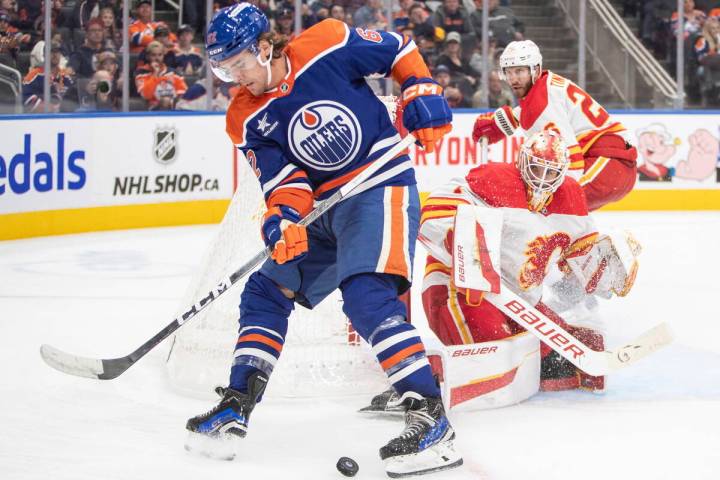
{"x": 347, "y": 466}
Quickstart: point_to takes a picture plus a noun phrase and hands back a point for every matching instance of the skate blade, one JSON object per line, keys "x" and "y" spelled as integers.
{"x": 434, "y": 459}
{"x": 380, "y": 410}
{"x": 220, "y": 447}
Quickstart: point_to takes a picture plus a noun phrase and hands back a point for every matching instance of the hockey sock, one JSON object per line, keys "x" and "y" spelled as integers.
{"x": 264, "y": 312}
{"x": 376, "y": 313}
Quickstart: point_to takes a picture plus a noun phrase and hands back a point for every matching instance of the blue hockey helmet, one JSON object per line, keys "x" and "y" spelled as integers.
{"x": 235, "y": 29}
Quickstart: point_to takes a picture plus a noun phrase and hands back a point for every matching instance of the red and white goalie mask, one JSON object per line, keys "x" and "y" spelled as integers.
{"x": 543, "y": 162}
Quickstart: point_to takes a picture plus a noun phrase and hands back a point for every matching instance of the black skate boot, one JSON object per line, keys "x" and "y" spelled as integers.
{"x": 385, "y": 402}
{"x": 215, "y": 433}
{"x": 557, "y": 373}
{"x": 426, "y": 444}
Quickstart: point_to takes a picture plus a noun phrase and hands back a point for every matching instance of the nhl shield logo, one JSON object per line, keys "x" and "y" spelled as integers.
{"x": 165, "y": 145}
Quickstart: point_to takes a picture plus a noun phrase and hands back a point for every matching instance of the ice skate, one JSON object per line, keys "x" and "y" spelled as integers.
{"x": 557, "y": 373}
{"x": 426, "y": 444}
{"x": 385, "y": 402}
{"x": 216, "y": 434}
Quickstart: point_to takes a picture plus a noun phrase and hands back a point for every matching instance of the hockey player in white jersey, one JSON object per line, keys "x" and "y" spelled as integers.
{"x": 537, "y": 218}
{"x": 602, "y": 159}
{"x": 545, "y": 226}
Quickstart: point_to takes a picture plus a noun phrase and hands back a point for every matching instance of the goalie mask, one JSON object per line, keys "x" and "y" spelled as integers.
{"x": 543, "y": 162}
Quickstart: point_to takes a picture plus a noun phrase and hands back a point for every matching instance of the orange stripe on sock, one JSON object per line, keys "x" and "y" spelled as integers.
{"x": 256, "y": 337}
{"x": 402, "y": 355}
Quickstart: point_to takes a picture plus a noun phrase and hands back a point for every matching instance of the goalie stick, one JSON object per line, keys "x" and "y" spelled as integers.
{"x": 568, "y": 346}
{"x": 107, "y": 369}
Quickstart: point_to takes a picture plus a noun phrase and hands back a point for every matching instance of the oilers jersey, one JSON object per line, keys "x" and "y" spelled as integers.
{"x": 322, "y": 124}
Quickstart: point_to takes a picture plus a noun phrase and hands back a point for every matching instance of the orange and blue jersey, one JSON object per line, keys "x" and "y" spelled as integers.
{"x": 32, "y": 88}
{"x": 193, "y": 57}
{"x": 304, "y": 139}
{"x": 322, "y": 124}
{"x": 153, "y": 86}
{"x": 141, "y": 34}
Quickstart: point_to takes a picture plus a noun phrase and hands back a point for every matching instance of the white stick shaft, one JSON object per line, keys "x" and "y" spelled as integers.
{"x": 568, "y": 346}
{"x": 483, "y": 150}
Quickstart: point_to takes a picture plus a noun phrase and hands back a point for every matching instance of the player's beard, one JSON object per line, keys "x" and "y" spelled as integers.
{"x": 521, "y": 90}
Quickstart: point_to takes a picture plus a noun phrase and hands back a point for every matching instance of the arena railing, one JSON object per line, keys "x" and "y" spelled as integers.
{"x": 630, "y": 69}
{"x": 12, "y": 78}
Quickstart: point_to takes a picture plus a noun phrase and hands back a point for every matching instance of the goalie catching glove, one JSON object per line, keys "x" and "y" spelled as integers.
{"x": 610, "y": 267}
{"x": 283, "y": 235}
{"x": 494, "y": 126}
{"x": 426, "y": 113}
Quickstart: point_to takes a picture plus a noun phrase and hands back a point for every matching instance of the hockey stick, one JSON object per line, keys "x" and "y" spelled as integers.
{"x": 568, "y": 346}
{"x": 107, "y": 369}
{"x": 483, "y": 150}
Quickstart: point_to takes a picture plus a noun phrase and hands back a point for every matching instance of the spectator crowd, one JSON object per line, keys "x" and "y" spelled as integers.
{"x": 659, "y": 23}
{"x": 167, "y": 62}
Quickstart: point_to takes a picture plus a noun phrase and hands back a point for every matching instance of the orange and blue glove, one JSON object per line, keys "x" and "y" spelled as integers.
{"x": 283, "y": 235}
{"x": 426, "y": 113}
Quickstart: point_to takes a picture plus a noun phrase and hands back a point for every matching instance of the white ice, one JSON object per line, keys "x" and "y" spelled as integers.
{"x": 103, "y": 294}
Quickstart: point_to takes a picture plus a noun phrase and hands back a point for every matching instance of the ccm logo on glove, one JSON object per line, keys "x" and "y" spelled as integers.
{"x": 420, "y": 89}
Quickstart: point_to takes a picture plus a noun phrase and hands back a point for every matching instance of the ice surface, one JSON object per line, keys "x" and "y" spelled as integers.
{"x": 103, "y": 294}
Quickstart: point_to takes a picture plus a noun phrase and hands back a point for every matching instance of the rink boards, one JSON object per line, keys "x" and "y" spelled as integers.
{"x": 69, "y": 173}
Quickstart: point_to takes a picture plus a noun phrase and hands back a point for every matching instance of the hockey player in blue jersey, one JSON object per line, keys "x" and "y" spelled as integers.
{"x": 308, "y": 123}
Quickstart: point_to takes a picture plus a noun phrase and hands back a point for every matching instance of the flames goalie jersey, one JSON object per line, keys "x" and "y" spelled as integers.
{"x": 530, "y": 242}
{"x": 556, "y": 102}
{"x": 322, "y": 124}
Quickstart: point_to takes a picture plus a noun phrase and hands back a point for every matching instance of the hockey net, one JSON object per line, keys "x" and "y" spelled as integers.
{"x": 322, "y": 354}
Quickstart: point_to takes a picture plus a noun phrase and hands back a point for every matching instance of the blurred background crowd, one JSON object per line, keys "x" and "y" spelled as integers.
{"x": 167, "y": 63}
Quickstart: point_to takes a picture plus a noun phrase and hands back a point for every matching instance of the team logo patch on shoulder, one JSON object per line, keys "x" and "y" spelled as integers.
{"x": 325, "y": 135}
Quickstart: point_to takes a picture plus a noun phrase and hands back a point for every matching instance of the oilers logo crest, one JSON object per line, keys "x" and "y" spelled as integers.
{"x": 325, "y": 135}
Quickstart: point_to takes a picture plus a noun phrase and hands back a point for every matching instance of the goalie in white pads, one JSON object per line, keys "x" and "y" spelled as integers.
{"x": 514, "y": 223}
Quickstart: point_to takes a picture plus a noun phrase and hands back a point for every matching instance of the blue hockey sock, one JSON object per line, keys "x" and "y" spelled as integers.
{"x": 264, "y": 312}
{"x": 376, "y": 313}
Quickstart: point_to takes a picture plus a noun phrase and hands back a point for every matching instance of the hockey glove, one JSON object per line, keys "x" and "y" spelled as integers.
{"x": 283, "y": 235}
{"x": 494, "y": 126}
{"x": 426, "y": 113}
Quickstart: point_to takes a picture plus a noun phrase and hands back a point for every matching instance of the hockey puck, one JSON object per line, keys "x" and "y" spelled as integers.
{"x": 347, "y": 466}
